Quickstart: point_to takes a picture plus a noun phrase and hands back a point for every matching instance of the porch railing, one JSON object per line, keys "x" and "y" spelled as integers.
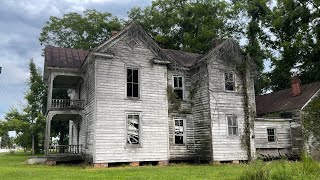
{"x": 65, "y": 149}
{"x": 67, "y": 104}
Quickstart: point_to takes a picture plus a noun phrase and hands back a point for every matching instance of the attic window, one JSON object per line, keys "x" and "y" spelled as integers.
{"x": 132, "y": 43}
{"x": 229, "y": 81}
{"x": 178, "y": 86}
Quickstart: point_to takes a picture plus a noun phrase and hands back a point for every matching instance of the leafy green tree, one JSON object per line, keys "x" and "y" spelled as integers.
{"x": 297, "y": 39}
{"x": 74, "y": 30}
{"x": 6, "y": 141}
{"x": 187, "y": 25}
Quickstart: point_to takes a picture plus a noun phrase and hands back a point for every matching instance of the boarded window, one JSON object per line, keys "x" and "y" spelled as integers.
{"x": 232, "y": 125}
{"x": 271, "y": 134}
{"x": 179, "y": 131}
{"x": 229, "y": 81}
{"x": 132, "y": 83}
{"x": 178, "y": 86}
{"x": 133, "y": 129}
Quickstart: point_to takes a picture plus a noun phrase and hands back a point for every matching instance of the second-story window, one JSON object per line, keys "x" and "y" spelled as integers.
{"x": 229, "y": 81}
{"x": 132, "y": 83}
{"x": 178, "y": 86}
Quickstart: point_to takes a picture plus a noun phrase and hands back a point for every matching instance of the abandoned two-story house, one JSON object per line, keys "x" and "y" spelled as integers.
{"x": 132, "y": 101}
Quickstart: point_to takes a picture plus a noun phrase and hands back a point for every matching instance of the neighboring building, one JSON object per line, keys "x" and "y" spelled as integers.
{"x": 132, "y": 101}
{"x": 278, "y": 127}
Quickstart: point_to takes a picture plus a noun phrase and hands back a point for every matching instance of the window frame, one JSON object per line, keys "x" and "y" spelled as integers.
{"x": 184, "y": 131}
{"x": 237, "y": 125}
{"x": 139, "y": 129}
{"x": 179, "y": 88}
{"x": 126, "y": 83}
{"x": 274, "y": 135}
{"x": 234, "y": 81}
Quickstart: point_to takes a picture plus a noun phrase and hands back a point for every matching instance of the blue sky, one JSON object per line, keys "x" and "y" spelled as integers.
{"x": 20, "y": 25}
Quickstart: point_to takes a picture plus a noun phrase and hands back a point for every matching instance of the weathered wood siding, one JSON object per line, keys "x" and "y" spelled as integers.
{"x": 201, "y": 112}
{"x": 186, "y": 151}
{"x": 112, "y": 105}
{"x": 223, "y": 103}
{"x": 282, "y": 143}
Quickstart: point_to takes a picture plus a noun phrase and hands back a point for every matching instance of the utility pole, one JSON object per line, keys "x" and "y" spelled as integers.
{"x": 0, "y": 69}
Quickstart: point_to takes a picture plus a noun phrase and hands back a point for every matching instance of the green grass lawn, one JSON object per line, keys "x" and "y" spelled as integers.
{"x": 15, "y": 167}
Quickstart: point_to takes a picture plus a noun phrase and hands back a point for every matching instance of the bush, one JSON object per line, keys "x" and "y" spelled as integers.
{"x": 12, "y": 151}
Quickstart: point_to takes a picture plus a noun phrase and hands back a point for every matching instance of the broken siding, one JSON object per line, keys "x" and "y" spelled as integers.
{"x": 223, "y": 103}
{"x": 181, "y": 151}
{"x": 112, "y": 105}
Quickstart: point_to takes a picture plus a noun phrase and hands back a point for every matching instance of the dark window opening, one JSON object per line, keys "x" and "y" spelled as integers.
{"x": 179, "y": 131}
{"x": 229, "y": 81}
{"x": 271, "y": 134}
{"x": 178, "y": 86}
{"x": 132, "y": 83}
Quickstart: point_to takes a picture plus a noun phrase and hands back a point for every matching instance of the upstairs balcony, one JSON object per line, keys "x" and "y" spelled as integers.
{"x": 67, "y": 104}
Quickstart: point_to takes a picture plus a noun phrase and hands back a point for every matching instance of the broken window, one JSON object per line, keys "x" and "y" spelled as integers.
{"x": 178, "y": 86}
{"x": 232, "y": 125}
{"x": 271, "y": 134}
{"x": 133, "y": 133}
{"x": 229, "y": 81}
{"x": 179, "y": 133}
{"x": 132, "y": 83}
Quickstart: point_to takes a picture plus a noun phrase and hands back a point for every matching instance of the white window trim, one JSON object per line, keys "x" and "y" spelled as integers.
{"x": 183, "y": 89}
{"x": 275, "y": 135}
{"x": 126, "y": 129}
{"x": 238, "y": 132}
{"x": 139, "y": 83}
{"x": 224, "y": 81}
{"x": 184, "y": 131}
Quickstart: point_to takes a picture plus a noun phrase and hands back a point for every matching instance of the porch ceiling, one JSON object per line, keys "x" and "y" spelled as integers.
{"x": 65, "y": 117}
{"x": 66, "y": 81}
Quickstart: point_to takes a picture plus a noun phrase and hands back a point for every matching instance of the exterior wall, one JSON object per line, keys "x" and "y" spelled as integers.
{"x": 112, "y": 104}
{"x": 201, "y": 112}
{"x": 282, "y": 144}
{"x": 223, "y": 103}
{"x": 179, "y": 151}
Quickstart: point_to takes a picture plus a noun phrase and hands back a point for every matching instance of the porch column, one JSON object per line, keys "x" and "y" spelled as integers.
{"x": 47, "y": 134}
{"x": 50, "y": 89}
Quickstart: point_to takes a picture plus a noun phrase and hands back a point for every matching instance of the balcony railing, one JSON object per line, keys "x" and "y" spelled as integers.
{"x": 65, "y": 149}
{"x": 67, "y": 104}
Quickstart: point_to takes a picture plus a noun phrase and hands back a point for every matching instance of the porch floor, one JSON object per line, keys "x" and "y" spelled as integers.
{"x": 63, "y": 157}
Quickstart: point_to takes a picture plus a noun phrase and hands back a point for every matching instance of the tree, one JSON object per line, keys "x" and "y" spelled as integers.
{"x": 74, "y": 30}
{"x": 186, "y": 25}
{"x": 297, "y": 39}
{"x": 6, "y": 141}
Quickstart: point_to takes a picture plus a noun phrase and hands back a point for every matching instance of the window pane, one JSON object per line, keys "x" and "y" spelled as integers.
{"x": 179, "y": 93}
{"x": 235, "y": 131}
{"x": 178, "y": 140}
{"x": 175, "y": 82}
{"x": 129, "y": 75}
{"x": 179, "y": 131}
{"x": 135, "y": 76}
{"x": 135, "y": 90}
{"x": 229, "y": 121}
{"x": 230, "y": 131}
{"x": 129, "y": 89}
{"x": 180, "y": 82}
{"x": 229, "y": 86}
{"x": 234, "y": 120}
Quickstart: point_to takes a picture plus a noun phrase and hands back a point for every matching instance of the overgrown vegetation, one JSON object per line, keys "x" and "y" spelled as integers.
{"x": 282, "y": 170}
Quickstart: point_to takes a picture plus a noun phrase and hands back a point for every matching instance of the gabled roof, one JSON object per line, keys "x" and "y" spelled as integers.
{"x": 64, "y": 57}
{"x": 184, "y": 58}
{"x": 283, "y": 100}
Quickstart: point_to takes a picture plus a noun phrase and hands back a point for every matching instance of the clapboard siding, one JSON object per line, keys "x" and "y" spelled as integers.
{"x": 200, "y": 112}
{"x": 282, "y": 126}
{"x": 223, "y": 103}
{"x": 112, "y": 105}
